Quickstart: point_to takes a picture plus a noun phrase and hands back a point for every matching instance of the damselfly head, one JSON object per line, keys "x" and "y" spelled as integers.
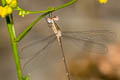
{"x": 51, "y": 20}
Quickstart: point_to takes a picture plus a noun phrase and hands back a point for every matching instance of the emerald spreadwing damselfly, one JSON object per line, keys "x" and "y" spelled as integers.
{"x": 97, "y": 39}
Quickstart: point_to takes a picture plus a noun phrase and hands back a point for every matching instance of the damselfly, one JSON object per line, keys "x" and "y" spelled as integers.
{"x": 98, "y": 39}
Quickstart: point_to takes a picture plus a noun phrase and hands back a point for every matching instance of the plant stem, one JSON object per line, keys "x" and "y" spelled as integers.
{"x": 33, "y": 12}
{"x": 11, "y": 31}
{"x": 3, "y": 2}
{"x": 45, "y": 11}
{"x": 67, "y": 4}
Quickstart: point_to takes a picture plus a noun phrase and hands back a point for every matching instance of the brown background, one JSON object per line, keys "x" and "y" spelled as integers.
{"x": 84, "y": 15}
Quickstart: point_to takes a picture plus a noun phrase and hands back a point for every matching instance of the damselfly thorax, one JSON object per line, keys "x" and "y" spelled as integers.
{"x": 54, "y": 26}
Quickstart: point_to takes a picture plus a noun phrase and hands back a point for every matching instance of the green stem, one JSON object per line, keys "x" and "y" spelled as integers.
{"x": 32, "y": 12}
{"x": 21, "y": 36}
{"x": 3, "y": 2}
{"x": 44, "y": 11}
{"x": 11, "y": 30}
{"x": 9, "y": 20}
{"x": 37, "y": 12}
{"x": 67, "y": 4}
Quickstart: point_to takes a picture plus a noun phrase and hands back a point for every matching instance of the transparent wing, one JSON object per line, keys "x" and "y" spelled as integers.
{"x": 44, "y": 52}
{"x": 100, "y": 36}
{"x": 33, "y": 53}
{"x": 87, "y": 41}
{"x": 50, "y": 64}
{"x": 31, "y": 48}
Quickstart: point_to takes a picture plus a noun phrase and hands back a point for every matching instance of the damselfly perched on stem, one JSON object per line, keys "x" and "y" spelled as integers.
{"x": 98, "y": 39}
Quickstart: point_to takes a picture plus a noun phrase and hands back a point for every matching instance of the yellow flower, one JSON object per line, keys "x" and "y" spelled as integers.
{"x": 12, "y": 3}
{"x": 8, "y": 1}
{"x": 103, "y": 1}
{"x": 8, "y": 9}
{"x": 4, "y": 11}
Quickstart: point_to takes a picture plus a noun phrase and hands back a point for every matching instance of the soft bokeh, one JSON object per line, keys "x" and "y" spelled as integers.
{"x": 84, "y": 15}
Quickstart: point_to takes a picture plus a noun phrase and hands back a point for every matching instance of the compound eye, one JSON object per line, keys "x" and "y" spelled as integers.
{"x": 50, "y": 21}
{"x": 55, "y": 18}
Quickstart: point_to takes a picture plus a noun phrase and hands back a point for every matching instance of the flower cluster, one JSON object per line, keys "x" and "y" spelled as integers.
{"x": 103, "y": 1}
{"x": 12, "y": 3}
{"x": 8, "y": 9}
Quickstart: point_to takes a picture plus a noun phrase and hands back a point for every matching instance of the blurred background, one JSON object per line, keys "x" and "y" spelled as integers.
{"x": 83, "y": 15}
